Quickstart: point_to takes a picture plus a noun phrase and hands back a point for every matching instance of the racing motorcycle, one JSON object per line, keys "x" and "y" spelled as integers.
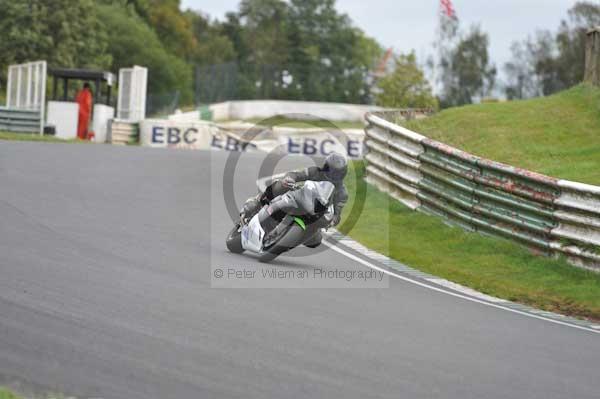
{"x": 287, "y": 221}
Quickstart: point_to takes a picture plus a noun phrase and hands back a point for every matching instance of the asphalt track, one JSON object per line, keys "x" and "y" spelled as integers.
{"x": 105, "y": 291}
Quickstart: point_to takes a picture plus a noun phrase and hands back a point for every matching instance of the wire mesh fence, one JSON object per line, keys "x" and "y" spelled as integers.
{"x": 160, "y": 105}
{"x": 231, "y": 81}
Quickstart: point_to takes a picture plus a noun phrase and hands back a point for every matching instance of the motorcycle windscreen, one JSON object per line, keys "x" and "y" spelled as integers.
{"x": 319, "y": 190}
{"x": 252, "y": 235}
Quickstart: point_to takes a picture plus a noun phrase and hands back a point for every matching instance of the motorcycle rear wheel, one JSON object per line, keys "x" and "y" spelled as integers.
{"x": 293, "y": 237}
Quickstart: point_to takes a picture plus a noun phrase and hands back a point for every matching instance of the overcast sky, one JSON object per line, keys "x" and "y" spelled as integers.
{"x": 411, "y": 24}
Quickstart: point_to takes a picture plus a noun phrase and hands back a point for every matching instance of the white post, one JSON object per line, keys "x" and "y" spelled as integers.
{"x": 141, "y": 75}
{"x": 28, "y": 96}
{"x": 43, "y": 97}
{"x": 120, "y": 98}
{"x": 36, "y": 84}
{"x": 18, "y": 86}
{"x": 9, "y": 86}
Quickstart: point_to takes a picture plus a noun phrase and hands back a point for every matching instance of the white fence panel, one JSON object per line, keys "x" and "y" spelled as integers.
{"x": 131, "y": 103}
{"x": 26, "y": 88}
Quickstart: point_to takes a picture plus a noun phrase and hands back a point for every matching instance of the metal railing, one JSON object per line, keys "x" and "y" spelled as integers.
{"x": 19, "y": 120}
{"x": 556, "y": 217}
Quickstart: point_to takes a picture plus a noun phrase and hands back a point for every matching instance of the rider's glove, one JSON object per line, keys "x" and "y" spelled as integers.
{"x": 288, "y": 182}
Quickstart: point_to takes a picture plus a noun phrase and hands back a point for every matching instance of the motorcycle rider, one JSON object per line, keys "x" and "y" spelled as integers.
{"x": 334, "y": 170}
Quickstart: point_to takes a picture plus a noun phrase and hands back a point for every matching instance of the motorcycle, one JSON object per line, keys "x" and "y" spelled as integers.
{"x": 287, "y": 221}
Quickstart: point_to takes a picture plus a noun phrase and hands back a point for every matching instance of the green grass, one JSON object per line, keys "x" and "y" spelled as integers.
{"x": 6, "y": 394}
{"x": 557, "y": 135}
{"x": 36, "y": 137}
{"x": 287, "y": 122}
{"x": 491, "y": 265}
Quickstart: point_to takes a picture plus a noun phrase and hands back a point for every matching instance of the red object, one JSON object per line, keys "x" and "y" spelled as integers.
{"x": 448, "y": 8}
{"x": 84, "y": 99}
{"x": 382, "y": 64}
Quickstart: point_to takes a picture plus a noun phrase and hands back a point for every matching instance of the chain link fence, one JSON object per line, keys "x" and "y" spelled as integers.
{"x": 161, "y": 105}
{"x": 231, "y": 81}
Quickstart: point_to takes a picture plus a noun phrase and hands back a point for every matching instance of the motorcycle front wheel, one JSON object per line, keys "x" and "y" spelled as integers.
{"x": 234, "y": 240}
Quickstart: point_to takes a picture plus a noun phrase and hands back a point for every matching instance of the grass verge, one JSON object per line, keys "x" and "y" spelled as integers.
{"x": 558, "y": 135}
{"x": 490, "y": 265}
{"x": 6, "y": 394}
{"x": 36, "y": 137}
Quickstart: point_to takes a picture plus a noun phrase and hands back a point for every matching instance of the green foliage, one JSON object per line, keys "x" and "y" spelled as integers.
{"x": 301, "y": 50}
{"x": 65, "y": 33}
{"x": 468, "y": 70}
{"x": 323, "y": 45}
{"x": 36, "y": 137}
{"x": 133, "y": 42}
{"x": 172, "y": 27}
{"x": 295, "y": 50}
{"x": 550, "y": 62}
{"x": 264, "y": 32}
{"x": 406, "y": 87}
{"x": 6, "y": 394}
{"x": 212, "y": 46}
{"x": 555, "y": 135}
{"x": 490, "y": 265}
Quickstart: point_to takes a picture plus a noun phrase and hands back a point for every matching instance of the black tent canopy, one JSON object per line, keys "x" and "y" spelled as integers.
{"x": 93, "y": 76}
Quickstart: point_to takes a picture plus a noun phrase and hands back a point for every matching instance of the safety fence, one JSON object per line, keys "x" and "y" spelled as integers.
{"x": 19, "y": 120}
{"x": 25, "y": 98}
{"x": 551, "y": 215}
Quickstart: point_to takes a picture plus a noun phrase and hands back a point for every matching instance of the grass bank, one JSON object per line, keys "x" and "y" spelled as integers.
{"x": 490, "y": 265}
{"x": 558, "y": 135}
{"x": 6, "y": 394}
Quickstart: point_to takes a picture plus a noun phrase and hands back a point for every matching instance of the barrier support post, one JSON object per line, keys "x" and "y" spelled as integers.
{"x": 592, "y": 57}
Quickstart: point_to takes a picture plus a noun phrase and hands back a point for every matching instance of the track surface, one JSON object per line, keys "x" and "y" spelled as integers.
{"x": 105, "y": 259}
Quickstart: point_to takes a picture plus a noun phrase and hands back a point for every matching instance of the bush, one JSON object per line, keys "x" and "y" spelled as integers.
{"x": 133, "y": 42}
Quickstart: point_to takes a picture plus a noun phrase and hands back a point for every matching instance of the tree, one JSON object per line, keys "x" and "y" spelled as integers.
{"x": 65, "y": 33}
{"x": 522, "y": 81}
{"x": 470, "y": 73}
{"x": 264, "y": 31}
{"x": 542, "y": 52}
{"x": 301, "y": 49}
{"x": 133, "y": 42}
{"x": 323, "y": 53}
{"x": 448, "y": 35}
{"x": 212, "y": 46}
{"x": 406, "y": 87}
{"x": 570, "y": 42}
{"x": 550, "y": 62}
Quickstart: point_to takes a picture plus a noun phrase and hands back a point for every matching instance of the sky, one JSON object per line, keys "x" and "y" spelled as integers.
{"x": 411, "y": 24}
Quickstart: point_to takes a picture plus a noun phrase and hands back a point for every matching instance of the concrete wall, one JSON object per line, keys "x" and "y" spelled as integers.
{"x": 300, "y": 109}
{"x": 263, "y": 109}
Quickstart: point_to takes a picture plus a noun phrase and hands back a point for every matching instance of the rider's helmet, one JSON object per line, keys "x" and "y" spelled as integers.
{"x": 335, "y": 167}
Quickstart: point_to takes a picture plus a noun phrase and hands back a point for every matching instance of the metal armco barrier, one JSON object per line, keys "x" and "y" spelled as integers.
{"x": 551, "y": 215}
{"x": 19, "y": 120}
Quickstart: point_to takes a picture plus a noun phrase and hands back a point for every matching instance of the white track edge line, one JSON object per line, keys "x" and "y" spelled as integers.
{"x": 468, "y": 298}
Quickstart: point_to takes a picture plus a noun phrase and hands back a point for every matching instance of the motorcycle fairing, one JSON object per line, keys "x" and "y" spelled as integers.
{"x": 252, "y": 235}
